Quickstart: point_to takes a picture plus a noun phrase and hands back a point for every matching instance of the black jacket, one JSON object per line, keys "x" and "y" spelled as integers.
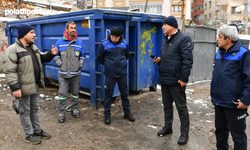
{"x": 176, "y": 58}
{"x": 113, "y": 57}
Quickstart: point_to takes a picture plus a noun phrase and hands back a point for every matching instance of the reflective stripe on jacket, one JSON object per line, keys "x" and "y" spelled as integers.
{"x": 70, "y": 57}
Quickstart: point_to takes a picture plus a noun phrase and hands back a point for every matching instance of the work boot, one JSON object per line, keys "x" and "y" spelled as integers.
{"x": 166, "y": 130}
{"x": 42, "y": 134}
{"x": 183, "y": 139}
{"x": 61, "y": 118}
{"x": 129, "y": 117}
{"x": 33, "y": 139}
{"x": 75, "y": 113}
{"x": 107, "y": 120}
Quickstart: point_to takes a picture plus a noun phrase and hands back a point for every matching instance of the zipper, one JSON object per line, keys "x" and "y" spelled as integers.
{"x": 163, "y": 58}
{"x": 117, "y": 60}
{"x": 248, "y": 64}
{"x": 33, "y": 66}
{"x": 222, "y": 62}
{"x": 237, "y": 91}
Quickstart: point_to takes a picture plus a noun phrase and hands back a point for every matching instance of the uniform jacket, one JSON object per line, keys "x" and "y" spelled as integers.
{"x": 114, "y": 57}
{"x": 231, "y": 76}
{"x": 70, "y": 57}
{"x": 176, "y": 58}
{"x": 19, "y": 70}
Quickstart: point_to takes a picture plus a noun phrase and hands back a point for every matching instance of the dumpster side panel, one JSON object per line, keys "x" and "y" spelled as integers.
{"x": 204, "y": 40}
{"x": 149, "y": 42}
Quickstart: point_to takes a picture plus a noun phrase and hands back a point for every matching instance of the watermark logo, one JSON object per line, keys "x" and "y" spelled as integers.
{"x": 28, "y": 12}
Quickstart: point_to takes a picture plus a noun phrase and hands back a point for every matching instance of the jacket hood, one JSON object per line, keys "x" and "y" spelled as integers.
{"x": 21, "y": 44}
{"x": 172, "y": 36}
{"x": 233, "y": 48}
{"x": 109, "y": 38}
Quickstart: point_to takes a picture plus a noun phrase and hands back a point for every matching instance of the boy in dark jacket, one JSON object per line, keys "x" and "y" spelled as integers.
{"x": 113, "y": 54}
{"x": 175, "y": 64}
{"x": 230, "y": 89}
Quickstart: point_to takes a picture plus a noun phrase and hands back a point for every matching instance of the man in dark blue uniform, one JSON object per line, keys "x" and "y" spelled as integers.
{"x": 230, "y": 89}
{"x": 113, "y": 54}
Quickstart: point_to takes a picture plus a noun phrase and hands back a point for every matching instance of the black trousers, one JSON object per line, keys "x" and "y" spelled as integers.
{"x": 233, "y": 120}
{"x": 122, "y": 84}
{"x": 175, "y": 93}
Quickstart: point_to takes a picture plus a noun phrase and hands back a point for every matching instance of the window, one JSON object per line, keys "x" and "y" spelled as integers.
{"x": 176, "y": 1}
{"x": 205, "y": 17}
{"x": 89, "y": 0}
{"x": 210, "y": 15}
{"x": 209, "y": 4}
{"x": 154, "y": 8}
{"x": 205, "y": 6}
{"x": 176, "y": 9}
{"x": 233, "y": 11}
{"x": 119, "y": 3}
{"x": 100, "y": 4}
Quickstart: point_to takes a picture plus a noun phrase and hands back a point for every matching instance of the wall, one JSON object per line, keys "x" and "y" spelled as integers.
{"x": 3, "y": 43}
{"x": 204, "y": 40}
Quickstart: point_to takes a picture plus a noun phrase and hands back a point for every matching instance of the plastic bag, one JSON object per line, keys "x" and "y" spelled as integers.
{"x": 18, "y": 106}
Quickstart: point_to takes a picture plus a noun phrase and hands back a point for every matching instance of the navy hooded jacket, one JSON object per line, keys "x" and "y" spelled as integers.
{"x": 113, "y": 57}
{"x": 231, "y": 76}
{"x": 176, "y": 58}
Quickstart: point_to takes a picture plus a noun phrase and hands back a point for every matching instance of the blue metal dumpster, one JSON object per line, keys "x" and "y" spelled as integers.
{"x": 143, "y": 33}
{"x": 145, "y": 39}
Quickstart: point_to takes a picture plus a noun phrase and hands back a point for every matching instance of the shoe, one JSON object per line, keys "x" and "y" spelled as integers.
{"x": 166, "y": 130}
{"x": 42, "y": 134}
{"x": 183, "y": 139}
{"x": 75, "y": 113}
{"x": 33, "y": 139}
{"x": 61, "y": 118}
{"x": 129, "y": 117}
{"x": 107, "y": 120}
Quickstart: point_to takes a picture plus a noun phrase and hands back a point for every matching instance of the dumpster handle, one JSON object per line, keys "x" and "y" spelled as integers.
{"x": 156, "y": 17}
{"x": 132, "y": 53}
{"x": 117, "y": 13}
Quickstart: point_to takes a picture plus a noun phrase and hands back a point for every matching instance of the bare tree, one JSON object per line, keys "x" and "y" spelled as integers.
{"x": 80, "y": 4}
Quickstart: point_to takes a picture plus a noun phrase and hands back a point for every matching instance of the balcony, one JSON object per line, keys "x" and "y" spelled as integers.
{"x": 197, "y": 13}
{"x": 195, "y": 2}
{"x": 221, "y": 2}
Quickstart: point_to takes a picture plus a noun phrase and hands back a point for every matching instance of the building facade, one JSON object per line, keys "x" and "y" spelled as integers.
{"x": 198, "y": 12}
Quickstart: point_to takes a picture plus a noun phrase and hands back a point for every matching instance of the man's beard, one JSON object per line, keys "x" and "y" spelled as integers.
{"x": 72, "y": 34}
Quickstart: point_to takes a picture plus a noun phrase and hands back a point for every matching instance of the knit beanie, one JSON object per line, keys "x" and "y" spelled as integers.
{"x": 116, "y": 31}
{"x": 23, "y": 29}
{"x": 171, "y": 21}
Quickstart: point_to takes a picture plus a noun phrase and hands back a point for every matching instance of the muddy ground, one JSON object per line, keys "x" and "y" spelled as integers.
{"x": 90, "y": 133}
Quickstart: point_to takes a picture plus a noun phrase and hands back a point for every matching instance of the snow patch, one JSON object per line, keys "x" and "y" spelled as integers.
{"x": 152, "y": 126}
{"x": 2, "y": 75}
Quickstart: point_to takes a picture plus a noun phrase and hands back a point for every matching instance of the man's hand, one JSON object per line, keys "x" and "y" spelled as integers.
{"x": 157, "y": 60}
{"x": 17, "y": 93}
{"x": 54, "y": 50}
{"x": 182, "y": 83}
{"x": 241, "y": 105}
